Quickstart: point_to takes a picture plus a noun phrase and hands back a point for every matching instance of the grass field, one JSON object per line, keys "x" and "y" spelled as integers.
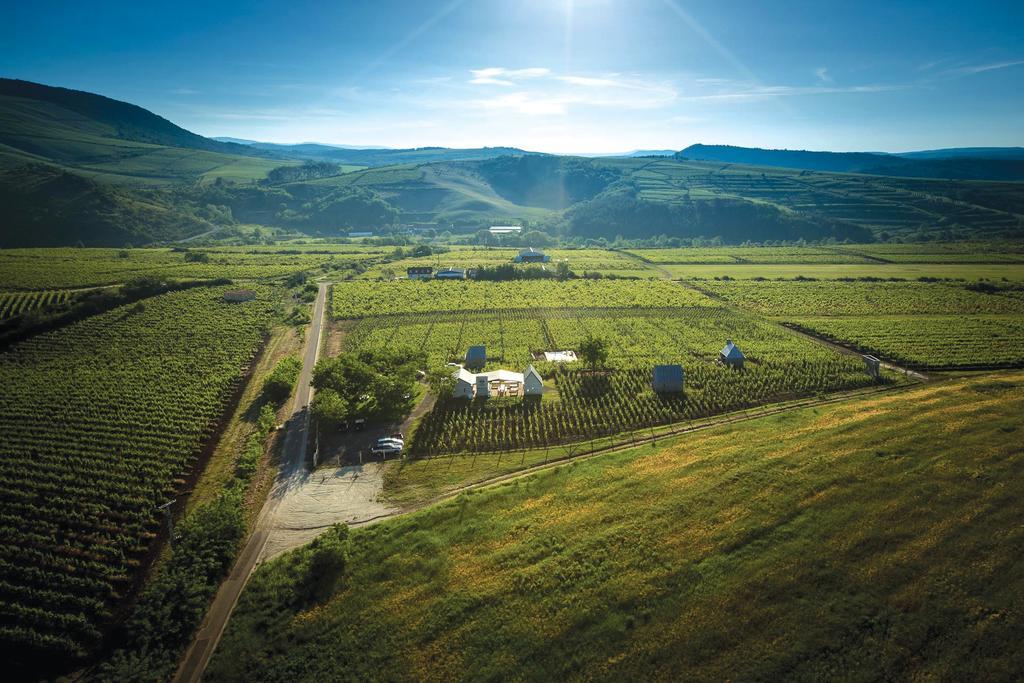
{"x": 874, "y": 539}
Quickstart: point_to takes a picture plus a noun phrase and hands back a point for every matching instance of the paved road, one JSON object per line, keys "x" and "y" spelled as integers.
{"x": 293, "y": 472}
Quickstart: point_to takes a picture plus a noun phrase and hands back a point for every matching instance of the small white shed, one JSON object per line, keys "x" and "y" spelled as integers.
{"x": 465, "y": 383}
{"x": 533, "y": 383}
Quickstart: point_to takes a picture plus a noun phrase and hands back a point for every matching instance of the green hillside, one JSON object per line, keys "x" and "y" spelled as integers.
{"x": 978, "y": 163}
{"x": 870, "y": 540}
{"x": 80, "y": 167}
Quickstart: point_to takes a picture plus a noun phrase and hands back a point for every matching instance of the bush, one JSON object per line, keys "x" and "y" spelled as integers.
{"x": 279, "y": 384}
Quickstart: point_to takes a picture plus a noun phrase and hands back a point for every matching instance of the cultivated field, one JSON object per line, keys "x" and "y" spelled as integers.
{"x": 643, "y": 324}
{"x": 101, "y": 420}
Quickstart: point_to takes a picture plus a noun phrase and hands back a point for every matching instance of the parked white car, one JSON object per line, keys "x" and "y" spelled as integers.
{"x": 388, "y": 446}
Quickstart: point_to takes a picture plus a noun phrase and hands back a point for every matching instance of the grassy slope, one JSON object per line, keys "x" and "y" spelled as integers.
{"x": 874, "y": 539}
{"x": 36, "y": 130}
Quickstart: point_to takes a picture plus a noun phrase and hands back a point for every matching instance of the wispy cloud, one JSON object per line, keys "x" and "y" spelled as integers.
{"x": 497, "y": 75}
{"x": 185, "y": 91}
{"x": 822, "y": 73}
{"x": 981, "y": 68}
{"x": 740, "y": 92}
{"x": 541, "y": 92}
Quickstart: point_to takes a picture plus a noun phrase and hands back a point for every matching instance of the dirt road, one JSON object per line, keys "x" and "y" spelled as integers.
{"x": 292, "y": 474}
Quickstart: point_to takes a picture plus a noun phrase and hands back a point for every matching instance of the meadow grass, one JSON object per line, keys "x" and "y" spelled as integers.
{"x": 874, "y": 539}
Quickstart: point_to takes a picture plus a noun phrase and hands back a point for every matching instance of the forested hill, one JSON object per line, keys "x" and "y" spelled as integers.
{"x": 102, "y": 116}
{"x": 1001, "y": 164}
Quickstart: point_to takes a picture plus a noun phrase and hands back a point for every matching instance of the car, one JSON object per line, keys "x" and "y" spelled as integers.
{"x": 387, "y": 440}
{"x": 388, "y": 448}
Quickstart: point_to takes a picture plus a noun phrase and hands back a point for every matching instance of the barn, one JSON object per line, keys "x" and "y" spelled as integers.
{"x": 668, "y": 379}
{"x": 476, "y": 357}
{"x": 731, "y": 355}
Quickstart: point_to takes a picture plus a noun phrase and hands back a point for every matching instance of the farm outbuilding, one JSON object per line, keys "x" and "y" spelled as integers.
{"x": 532, "y": 255}
{"x": 450, "y": 274}
{"x": 476, "y": 357}
{"x": 668, "y": 379}
{"x": 419, "y": 272}
{"x": 238, "y": 295}
{"x": 731, "y": 355}
{"x": 465, "y": 383}
{"x": 533, "y": 383}
{"x": 873, "y": 365}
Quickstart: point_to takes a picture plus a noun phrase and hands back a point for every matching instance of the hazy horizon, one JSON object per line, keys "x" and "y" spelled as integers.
{"x": 580, "y": 76}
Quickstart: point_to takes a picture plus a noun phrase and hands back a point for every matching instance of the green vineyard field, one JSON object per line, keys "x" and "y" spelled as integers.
{"x": 580, "y": 404}
{"x": 100, "y": 419}
{"x": 360, "y": 299}
{"x": 927, "y": 341}
{"x": 18, "y": 303}
{"x": 777, "y": 299}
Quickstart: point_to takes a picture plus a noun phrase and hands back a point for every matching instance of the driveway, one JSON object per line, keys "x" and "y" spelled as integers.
{"x": 324, "y": 497}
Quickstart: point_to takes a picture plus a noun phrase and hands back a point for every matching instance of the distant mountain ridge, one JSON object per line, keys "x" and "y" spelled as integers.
{"x": 1002, "y": 164}
{"x": 380, "y": 156}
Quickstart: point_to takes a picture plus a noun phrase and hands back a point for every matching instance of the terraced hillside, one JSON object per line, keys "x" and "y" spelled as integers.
{"x": 897, "y": 206}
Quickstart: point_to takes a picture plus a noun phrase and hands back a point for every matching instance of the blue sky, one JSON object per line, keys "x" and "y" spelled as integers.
{"x": 548, "y": 75}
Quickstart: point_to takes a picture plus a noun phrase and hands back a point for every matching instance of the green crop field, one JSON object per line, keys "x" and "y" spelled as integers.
{"x": 67, "y": 268}
{"x": 929, "y": 341}
{"x": 100, "y": 419}
{"x": 931, "y": 325}
{"x": 760, "y": 255}
{"x": 782, "y": 299}
{"x": 874, "y": 539}
{"x": 838, "y": 271}
{"x": 19, "y": 303}
{"x": 363, "y": 298}
{"x": 643, "y": 324}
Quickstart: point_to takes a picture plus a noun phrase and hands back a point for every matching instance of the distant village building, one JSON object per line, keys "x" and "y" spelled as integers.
{"x": 419, "y": 272}
{"x": 476, "y": 357}
{"x": 505, "y": 229}
{"x": 731, "y": 355}
{"x": 238, "y": 295}
{"x": 451, "y": 274}
{"x": 533, "y": 383}
{"x": 668, "y": 379}
{"x": 360, "y": 234}
{"x": 873, "y": 365}
{"x": 532, "y": 255}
